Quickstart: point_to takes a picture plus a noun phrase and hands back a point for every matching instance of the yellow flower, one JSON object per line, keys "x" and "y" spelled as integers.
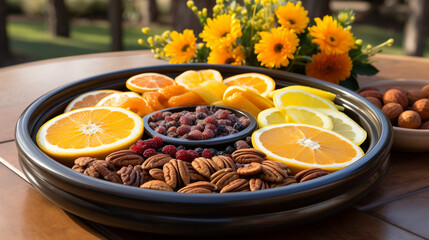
{"x": 331, "y": 38}
{"x": 227, "y": 56}
{"x": 276, "y": 47}
{"x": 331, "y": 68}
{"x": 222, "y": 31}
{"x": 182, "y": 47}
{"x": 293, "y": 16}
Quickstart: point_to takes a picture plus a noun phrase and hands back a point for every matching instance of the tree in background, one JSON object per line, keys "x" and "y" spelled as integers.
{"x": 4, "y": 41}
{"x": 58, "y": 18}
{"x": 415, "y": 28}
{"x": 115, "y": 19}
{"x": 184, "y": 18}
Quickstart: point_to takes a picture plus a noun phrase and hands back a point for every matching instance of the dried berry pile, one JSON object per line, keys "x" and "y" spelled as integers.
{"x": 206, "y": 122}
{"x": 407, "y": 109}
{"x": 246, "y": 170}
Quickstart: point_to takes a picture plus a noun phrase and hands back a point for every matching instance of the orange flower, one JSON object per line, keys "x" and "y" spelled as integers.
{"x": 331, "y": 68}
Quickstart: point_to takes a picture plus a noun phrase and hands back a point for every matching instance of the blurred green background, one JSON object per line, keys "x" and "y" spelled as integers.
{"x": 30, "y": 39}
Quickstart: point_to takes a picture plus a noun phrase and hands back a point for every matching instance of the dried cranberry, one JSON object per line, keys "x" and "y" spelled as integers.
{"x": 170, "y": 150}
{"x": 225, "y": 122}
{"x": 210, "y": 126}
{"x": 182, "y": 155}
{"x": 149, "y": 152}
{"x": 221, "y": 114}
{"x": 182, "y": 130}
{"x": 186, "y": 120}
{"x": 206, "y": 153}
{"x": 195, "y": 135}
{"x": 166, "y": 114}
{"x": 192, "y": 154}
{"x": 197, "y": 127}
{"x": 245, "y": 121}
{"x": 161, "y": 130}
{"x": 159, "y": 141}
{"x": 210, "y": 120}
{"x": 156, "y": 116}
{"x": 240, "y": 144}
{"x": 208, "y": 133}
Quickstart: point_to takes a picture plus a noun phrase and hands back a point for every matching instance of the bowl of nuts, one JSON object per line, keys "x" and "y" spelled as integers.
{"x": 405, "y": 102}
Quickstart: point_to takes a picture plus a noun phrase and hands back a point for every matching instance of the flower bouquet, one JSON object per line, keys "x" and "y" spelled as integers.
{"x": 274, "y": 34}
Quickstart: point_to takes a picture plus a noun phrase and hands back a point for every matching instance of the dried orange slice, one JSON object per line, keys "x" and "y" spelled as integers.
{"x": 260, "y": 83}
{"x": 127, "y": 100}
{"x": 91, "y": 131}
{"x": 187, "y": 99}
{"x": 303, "y": 146}
{"x": 192, "y": 78}
{"x": 148, "y": 82}
{"x": 88, "y": 99}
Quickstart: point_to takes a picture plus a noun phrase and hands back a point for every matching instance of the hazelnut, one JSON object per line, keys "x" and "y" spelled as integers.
{"x": 409, "y": 119}
{"x": 425, "y": 91}
{"x": 372, "y": 93}
{"x": 375, "y": 101}
{"x": 395, "y": 96}
{"x": 422, "y": 108}
{"x": 392, "y": 111}
{"x": 424, "y": 125}
{"x": 414, "y": 95}
{"x": 400, "y": 89}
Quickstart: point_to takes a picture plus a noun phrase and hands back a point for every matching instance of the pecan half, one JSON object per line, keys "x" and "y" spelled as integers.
{"x": 193, "y": 174}
{"x": 309, "y": 174}
{"x": 82, "y": 163}
{"x": 238, "y": 185}
{"x": 248, "y": 155}
{"x": 156, "y": 161}
{"x": 250, "y": 169}
{"x": 205, "y": 166}
{"x": 287, "y": 181}
{"x": 124, "y": 158}
{"x": 199, "y": 187}
{"x": 131, "y": 175}
{"x": 273, "y": 171}
{"x": 104, "y": 170}
{"x": 157, "y": 174}
{"x": 157, "y": 185}
{"x": 223, "y": 177}
{"x": 176, "y": 173}
{"x": 258, "y": 184}
{"x": 224, "y": 162}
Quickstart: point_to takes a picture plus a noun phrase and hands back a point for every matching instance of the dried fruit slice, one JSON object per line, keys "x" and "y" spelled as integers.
{"x": 192, "y": 78}
{"x": 127, "y": 100}
{"x": 261, "y": 102}
{"x": 260, "y": 83}
{"x": 92, "y": 131}
{"x": 302, "y": 146}
{"x": 89, "y": 99}
{"x": 148, "y": 82}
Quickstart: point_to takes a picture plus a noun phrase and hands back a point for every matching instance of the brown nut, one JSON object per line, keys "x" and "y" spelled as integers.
{"x": 395, "y": 96}
{"x": 409, "y": 119}
{"x": 238, "y": 185}
{"x": 422, "y": 108}
{"x": 157, "y": 185}
{"x": 425, "y": 91}
{"x": 156, "y": 161}
{"x": 392, "y": 111}
{"x": 425, "y": 125}
{"x": 375, "y": 101}
{"x": 258, "y": 184}
{"x": 372, "y": 93}
{"x": 414, "y": 95}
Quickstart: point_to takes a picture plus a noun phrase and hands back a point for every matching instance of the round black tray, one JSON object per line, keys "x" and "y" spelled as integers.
{"x": 179, "y": 213}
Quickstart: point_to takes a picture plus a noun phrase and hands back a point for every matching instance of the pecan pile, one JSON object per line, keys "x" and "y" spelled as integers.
{"x": 246, "y": 170}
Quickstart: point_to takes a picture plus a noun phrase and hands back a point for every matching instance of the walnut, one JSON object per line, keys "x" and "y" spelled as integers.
{"x": 372, "y": 93}
{"x": 409, "y": 119}
{"x": 199, "y": 187}
{"x": 414, "y": 95}
{"x": 375, "y": 101}
{"x": 238, "y": 185}
{"x": 392, "y": 111}
{"x": 223, "y": 177}
{"x": 425, "y": 90}
{"x": 309, "y": 174}
{"x": 425, "y": 125}
{"x": 395, "y": 96}
{"x": 422, "y": 108}
{"x": 157, "y": 185}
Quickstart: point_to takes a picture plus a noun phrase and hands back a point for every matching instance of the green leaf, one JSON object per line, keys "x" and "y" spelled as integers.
{"x": 350, "y": 83}
{"x": 364, "y": 69}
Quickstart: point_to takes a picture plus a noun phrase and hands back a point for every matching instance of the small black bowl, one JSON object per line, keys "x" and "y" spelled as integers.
{"x": 205, "y": 142}
{"x": 181, "y": 213}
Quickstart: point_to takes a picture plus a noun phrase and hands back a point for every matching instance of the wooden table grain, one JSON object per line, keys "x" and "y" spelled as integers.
{"x": 398, "y": 208}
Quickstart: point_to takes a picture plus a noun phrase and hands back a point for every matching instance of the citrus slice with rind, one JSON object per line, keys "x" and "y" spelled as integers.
{"x": 297, "y": 114}
{"x": 295, "y": 97}
{"x": 346, "y": 126}
{"x": 270, "y": 116}
{"x": 258, "y": 82}
{"x": 148, "y": 82}
{"x": 89, "y": 99}
{"x": 127, "y": 100}
{"x": 92, "y": 132}
{"x": 261, "y": 102}
{"x": 192, "y": 78}
{"x": 321, "y": 93}
{"x": 303, "y": 146}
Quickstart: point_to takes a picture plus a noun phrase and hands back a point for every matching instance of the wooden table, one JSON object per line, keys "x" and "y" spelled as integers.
{"x": 397, "y": 209}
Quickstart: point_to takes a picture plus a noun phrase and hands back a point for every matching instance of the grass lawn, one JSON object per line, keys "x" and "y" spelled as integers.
{"x": 32, "y": 38}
